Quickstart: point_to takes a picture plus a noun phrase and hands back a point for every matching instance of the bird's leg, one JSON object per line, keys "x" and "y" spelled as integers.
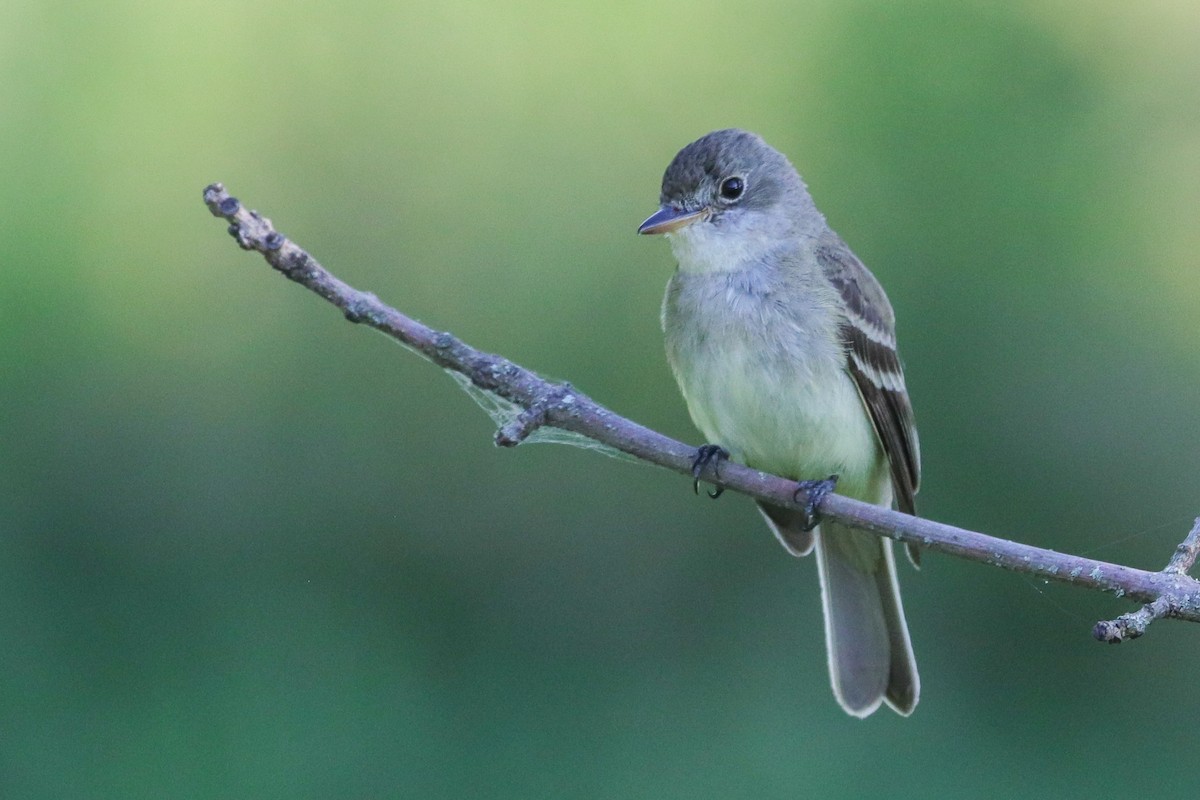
{"x": 708, "y": 454}
{"x": 814, "y": 492}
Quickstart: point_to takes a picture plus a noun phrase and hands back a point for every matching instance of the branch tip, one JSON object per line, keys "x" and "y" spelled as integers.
{"x": 557, "y": 398}
{"x": 1134, "y": 624}
{"x": 1186, "y": 552}
{"x": 212, "y": 193}
{"x": 517, "y": 431}
{"x": 1167, "y": 604}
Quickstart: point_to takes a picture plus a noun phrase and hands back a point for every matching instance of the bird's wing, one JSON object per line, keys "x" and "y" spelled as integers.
{"x": 868, "y": 332}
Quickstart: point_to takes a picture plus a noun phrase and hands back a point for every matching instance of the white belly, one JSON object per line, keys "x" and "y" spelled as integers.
{"x": 801, "y": 420}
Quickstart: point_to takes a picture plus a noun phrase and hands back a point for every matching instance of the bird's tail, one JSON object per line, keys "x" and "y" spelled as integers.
{"x": 870, "y": 655}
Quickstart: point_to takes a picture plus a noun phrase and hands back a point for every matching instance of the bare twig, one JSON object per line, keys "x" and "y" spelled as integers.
{"x": 1170, "y": 593}
{"x": 1134, "y": 624}
{"x": 1185, "y": 552}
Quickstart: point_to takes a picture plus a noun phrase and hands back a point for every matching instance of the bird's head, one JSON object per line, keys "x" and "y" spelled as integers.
{"x": 729, "y": 196}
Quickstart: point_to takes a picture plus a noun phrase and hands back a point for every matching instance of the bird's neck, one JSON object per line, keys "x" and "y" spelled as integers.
{"x": 701, "y": 249}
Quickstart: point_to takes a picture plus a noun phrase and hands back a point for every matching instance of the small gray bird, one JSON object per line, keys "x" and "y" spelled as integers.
{"x": 784, "y": 347}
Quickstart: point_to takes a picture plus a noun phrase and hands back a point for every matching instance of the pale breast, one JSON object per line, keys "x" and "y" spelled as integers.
{"x": 766, "y": 380}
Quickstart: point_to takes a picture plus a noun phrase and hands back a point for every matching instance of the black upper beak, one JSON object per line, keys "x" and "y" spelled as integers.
{"x": 668, "y": 219}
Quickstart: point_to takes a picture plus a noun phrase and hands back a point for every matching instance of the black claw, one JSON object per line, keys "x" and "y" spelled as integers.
{"x": 813, "y": 492}
{"x": 708, "y": 454}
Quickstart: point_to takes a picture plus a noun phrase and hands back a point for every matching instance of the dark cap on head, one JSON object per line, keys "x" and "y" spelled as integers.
{"x": 695, "y": 176}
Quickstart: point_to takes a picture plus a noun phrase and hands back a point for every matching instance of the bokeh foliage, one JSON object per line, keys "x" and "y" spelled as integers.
{"x": 247, "y": 550}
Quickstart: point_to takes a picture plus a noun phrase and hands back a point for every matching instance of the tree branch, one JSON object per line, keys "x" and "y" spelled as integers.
{"x": 1168, "y": 593}
{"x": 1134, "y": 624}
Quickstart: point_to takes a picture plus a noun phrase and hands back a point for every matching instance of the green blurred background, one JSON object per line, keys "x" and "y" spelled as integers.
{"x": 249, "y": 550}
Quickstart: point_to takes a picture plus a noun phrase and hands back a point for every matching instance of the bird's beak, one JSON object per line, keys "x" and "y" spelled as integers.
{"x": 669, "y": 220}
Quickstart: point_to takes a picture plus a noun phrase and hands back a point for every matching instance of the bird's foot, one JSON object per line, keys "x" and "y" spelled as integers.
{"x": 812, "y": 493}
{"x": 709, "y": 454}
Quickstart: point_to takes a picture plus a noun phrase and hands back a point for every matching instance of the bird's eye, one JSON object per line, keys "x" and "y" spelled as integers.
{"x": 732, "y": 188}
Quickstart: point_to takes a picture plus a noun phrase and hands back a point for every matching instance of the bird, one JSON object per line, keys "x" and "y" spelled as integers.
{"x": 784, "y": 348}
